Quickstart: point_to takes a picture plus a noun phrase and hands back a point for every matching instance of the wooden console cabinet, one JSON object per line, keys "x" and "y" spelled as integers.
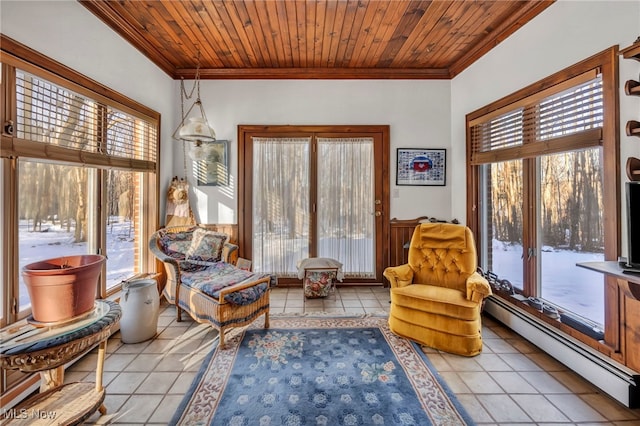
{"x": 629, "y": 302}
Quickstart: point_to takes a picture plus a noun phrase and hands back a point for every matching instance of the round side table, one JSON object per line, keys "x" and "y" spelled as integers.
{"x": 30, "y": 347}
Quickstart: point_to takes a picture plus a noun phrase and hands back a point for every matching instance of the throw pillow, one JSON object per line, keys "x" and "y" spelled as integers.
{"x": 175, "y": 244}
{"x": 206, "y": 245}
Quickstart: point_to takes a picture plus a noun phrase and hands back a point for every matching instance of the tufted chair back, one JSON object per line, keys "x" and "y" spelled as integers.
{"x": 442, "y": 254}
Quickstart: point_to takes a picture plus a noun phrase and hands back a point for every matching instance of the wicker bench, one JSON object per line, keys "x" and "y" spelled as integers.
{"x": 216, "y": 293}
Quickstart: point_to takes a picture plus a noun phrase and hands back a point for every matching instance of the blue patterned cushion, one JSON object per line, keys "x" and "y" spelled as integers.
{"x": 248, "y": 295}
{"x": 175, "y": 244}
{"x": 215, "y": 276}
{"x": 206, "y": 245}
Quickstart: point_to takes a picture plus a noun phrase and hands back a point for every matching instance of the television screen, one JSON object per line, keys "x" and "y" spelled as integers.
{"x": 633, "y": 224}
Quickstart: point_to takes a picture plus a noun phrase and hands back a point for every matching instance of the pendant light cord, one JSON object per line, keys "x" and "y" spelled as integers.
{"x": 183, "y": 92}
{"x": 186, "y": 96}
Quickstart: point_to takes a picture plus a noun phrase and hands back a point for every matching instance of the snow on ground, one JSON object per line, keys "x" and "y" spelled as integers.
{"x": 576, "y": 289}
{"x": 54, "y": 241}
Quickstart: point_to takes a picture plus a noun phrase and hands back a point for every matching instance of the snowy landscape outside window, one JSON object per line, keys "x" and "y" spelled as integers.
{"x": 543, "y": 155}
{"x": 84, "y": 167}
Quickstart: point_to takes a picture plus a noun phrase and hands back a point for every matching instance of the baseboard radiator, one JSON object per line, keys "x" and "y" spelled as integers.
{"x": 611, "y": 377}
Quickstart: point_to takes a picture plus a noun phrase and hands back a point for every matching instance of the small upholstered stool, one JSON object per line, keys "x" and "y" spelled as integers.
{"x": 319, "y": 276}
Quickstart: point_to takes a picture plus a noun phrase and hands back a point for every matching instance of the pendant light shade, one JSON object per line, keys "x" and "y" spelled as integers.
{"x": 197, "y": 129}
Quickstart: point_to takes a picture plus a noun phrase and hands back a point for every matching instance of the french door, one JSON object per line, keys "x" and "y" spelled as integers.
{"x": 314, "y": 191}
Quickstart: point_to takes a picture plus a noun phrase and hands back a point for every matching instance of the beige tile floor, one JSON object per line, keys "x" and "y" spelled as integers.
{"x": 511, "y": 383}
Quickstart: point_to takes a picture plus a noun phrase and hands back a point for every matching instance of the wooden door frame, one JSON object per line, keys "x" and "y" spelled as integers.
{"x": 245, "y": 158}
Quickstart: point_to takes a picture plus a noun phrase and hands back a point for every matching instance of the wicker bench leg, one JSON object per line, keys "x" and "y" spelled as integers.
{"x": 221, "y": 336}
{"x": 266, "y": 319}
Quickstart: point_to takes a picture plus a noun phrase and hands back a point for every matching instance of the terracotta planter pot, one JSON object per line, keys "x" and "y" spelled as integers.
{"x": 64, "y": 287}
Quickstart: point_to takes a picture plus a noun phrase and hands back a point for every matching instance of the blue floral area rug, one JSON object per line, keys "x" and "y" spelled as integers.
{"x": 319, "y": 371}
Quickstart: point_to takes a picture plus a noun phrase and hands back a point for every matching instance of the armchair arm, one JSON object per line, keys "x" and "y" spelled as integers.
{"x": 171, "y": 265}
{"x": 242, "y": 286}
{"x": 155, "y": 250}
{"x": 230, "y": 253}
{"x": 477, "y": 288}
{"x": 399, "y": 276}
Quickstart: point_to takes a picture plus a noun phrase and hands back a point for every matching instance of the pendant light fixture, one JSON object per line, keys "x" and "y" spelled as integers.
{"x": 193, "y": 129}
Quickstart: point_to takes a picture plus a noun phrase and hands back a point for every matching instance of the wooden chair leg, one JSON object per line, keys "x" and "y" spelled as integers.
{"x": 266, "y": 319}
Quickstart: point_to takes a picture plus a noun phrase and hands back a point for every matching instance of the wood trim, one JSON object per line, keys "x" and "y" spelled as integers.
{"x": 10, "y": 241}
{"x": 231, "y": 229}
{"x": 633, "y": 51}
{"x": 473, "y": 182}
{"x": 315, "y": 73}
{"x": 588, "y": 138}
{"x": 614, "y": 327}
{"x": 18, "y": 386}
{"x": 8, "y": 91}
{"x": 14, "y": 147}
{"x": 400, "y": 234}
{"x": 530, "y": 207}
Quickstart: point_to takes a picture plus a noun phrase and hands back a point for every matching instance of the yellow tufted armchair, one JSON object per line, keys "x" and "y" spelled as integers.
{"x": 436, "y": 298}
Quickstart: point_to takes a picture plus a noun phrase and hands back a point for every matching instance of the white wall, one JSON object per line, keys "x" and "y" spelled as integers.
{"x": 564, "y": 34}
{"x": 417, "y": 112}
{"x": 68, "y": 33}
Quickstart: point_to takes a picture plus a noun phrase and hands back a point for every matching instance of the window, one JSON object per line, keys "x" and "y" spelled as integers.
{"x": 80, "y": 168}
{"x": 53, "y": 218}
{"x": 539, "y": 161}
{"x": 502, "y": 219}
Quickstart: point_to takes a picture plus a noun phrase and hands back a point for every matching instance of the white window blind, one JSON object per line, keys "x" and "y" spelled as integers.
{"x": 501, "y": 132}
{"x": 573, "y": 111}
{"x": 54, "y": 115}
{"x": 87, "y": 132}
{"x": 129, "y": 137}
{"x": 567, "y": 119}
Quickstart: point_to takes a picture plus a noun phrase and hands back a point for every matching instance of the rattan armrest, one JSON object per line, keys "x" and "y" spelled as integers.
{"x": 241, "y": 286}
{"x": 171, "y": 265}
{"x": 230, "y": 253}
{"x": 158, "y": 253}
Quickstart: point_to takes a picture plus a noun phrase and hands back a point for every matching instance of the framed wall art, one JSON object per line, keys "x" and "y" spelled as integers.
{"x": 212, "y": 164}
{"x": 420, "y": 167}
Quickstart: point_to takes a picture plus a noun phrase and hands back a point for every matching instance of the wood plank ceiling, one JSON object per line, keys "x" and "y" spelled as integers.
{"x": 307, "y": 39}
